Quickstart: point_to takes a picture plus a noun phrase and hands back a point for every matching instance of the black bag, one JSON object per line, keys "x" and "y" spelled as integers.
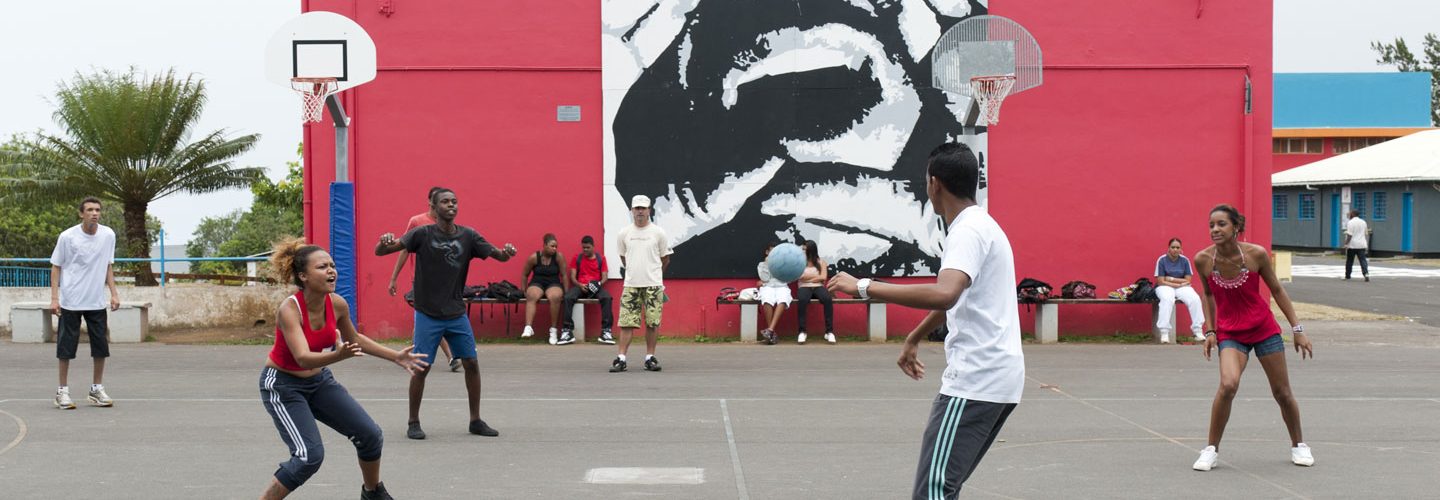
{"x": 505, "y": 291}
{"x": 1031, "y": 291}
{"x": 1144, "y": 291}
{"x": 475, "y": 292}
{"x": 1077, "y": 290}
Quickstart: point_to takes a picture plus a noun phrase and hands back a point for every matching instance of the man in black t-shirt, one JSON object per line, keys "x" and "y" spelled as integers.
{"x": 442, "y": 262}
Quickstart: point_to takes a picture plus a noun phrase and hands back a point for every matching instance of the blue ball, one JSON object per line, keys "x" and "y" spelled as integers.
{"x": 786, "y": 261}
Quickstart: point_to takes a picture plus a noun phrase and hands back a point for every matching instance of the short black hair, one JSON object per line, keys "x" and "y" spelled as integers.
{"x": 1174, "y": 240}
{"x": 955, "y": 167}
{"x": 587, "y": 240}
{"x": 435, "y": 191}
{"x": 90, "y": 199}
{"x": 431, "y": 195}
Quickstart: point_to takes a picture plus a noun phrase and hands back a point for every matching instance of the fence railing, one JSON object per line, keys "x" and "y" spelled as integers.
{"x": 19, "y": 276}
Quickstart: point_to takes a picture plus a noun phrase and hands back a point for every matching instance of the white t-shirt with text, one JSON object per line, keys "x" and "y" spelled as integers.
{"x": 982, "y": 352}
{"x": 642, "y": 248}
{"x": 83, "y": 260}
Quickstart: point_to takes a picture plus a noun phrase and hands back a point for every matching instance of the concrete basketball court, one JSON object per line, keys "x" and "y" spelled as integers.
{"x": 740, "y": 421}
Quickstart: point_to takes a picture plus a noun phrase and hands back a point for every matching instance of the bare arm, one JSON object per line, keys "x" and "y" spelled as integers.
{"x": 664, "y": 263}
{"x": 399, "y": 264}
{"x": 388, "y": 244}
{"x": 54, "y": 289}
{"x": 1203, "y": 266}
{"x": 411, "y": 362}
{"x": 503, "y": 254}
{"x": 289, "y": 319}
{"x": 564, "y": 271}
{"x": 825, "y": 272}
{"x": 1282, "y": 299}
{"x": 110, "y": 283}
{"x": 937, "y": 296}
{"x": 525, "y": 271}
{"x": 909, "y": 362}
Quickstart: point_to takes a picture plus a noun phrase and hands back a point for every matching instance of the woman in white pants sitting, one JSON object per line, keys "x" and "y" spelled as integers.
{"x": 1172, "y": 281}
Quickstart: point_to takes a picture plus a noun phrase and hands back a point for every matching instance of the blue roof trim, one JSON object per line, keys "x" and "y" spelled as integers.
{"x": 1320, "y": 100}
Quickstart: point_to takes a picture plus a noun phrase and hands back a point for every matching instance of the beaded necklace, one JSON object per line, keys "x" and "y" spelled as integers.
{"x": 1229, "y": 283}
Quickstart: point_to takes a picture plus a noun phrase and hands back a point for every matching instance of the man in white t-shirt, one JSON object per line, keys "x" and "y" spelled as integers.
{"x": 644, "y": 254}
{"x": 1357, "y": 244}
{"x": 80, "y": 272}
{"x": 974, "y": 295}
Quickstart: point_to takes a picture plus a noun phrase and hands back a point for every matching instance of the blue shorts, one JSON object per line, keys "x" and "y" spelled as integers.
{"x": 456, "y": 331}
{"x": 1270, "y": 345}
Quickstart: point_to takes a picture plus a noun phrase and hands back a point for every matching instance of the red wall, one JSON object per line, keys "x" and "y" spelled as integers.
{"x": 1138, "y": 130}
{"x": 1283, "y": 162}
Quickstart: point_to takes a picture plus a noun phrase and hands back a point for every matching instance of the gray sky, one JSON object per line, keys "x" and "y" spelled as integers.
{"x": 222, "y": 41}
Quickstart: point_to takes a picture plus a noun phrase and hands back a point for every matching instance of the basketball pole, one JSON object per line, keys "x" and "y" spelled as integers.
{"x": 342, "y": 208}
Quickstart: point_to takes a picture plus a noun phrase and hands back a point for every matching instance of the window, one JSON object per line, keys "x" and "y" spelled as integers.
{"x": 1280, "y": 206}
{"x": 1307, "y": 207}
{"x": 1348, "y": 144}
{"x": 1381, "y": 205}
{"x": 1297, "y": 146}
{"x": 1357, "y": 203}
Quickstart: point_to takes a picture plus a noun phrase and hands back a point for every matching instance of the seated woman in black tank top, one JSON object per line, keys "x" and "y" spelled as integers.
{"x": 544, "y": 275}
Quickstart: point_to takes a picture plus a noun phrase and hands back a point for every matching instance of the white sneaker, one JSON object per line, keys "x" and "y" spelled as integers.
{"x": 830, "y": 337}
{"x": 1164, "y": 335}
{"x": 98, "y": 397}
{"x": 801, "y": 338}
{"x": 529, "y": 332}
{"x": 554, "y": 336}
{"x": 62, "y": 399}
{"x": 1300, "y": 455}
{"x": 1199, "y": 336}
{"x": 1208, "y": 457}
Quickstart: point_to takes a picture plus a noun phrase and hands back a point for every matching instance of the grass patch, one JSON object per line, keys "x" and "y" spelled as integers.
{"x": 1115, "y": 338}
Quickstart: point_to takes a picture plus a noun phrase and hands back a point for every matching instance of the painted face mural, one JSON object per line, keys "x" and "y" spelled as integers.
{"x": 754, "y": 120}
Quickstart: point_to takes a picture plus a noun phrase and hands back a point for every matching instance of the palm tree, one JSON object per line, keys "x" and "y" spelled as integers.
{"x": 127, "y": 140}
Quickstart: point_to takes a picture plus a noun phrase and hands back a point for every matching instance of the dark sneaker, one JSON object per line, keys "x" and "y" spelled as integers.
{"x": 378, "y": 494}
{"x": 565, "y": 338}
{"x": 606, "y": 338}
{"x": 414, "y": 431}
{"x": 770, "y": 337}
{"x": 479, "y": 427}
{"x": 454, "y": 364}
{"x": 617, "y": 366}
{"x": 652, "y": 364}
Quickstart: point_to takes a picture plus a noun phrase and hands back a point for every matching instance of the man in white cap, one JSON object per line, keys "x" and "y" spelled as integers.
{"x": 644, "y": 254}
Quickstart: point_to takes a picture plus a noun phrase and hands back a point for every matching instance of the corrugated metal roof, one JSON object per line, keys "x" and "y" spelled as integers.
{"x": 1415, "y": 157}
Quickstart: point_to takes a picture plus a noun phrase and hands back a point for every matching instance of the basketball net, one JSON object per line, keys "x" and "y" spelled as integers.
{"x": 313, "y": 92}
{"x": 989, "y": 92}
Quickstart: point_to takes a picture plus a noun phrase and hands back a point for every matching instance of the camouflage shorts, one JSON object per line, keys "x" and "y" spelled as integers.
{"x": 632, "y": 300}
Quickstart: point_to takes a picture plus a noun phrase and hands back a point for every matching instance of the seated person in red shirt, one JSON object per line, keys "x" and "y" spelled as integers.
{"x": 588, "y": 273}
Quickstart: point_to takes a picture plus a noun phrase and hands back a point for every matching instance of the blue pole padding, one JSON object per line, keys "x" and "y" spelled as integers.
{"x": 342, "y": 242}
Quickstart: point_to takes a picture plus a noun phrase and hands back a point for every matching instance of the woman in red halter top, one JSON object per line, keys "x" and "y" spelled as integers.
{"x": 297, "y": 388}
{"x": 1238, "y": 320}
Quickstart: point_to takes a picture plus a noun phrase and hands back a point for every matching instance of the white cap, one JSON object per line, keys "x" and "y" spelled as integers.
{"x": 640, "y": 201}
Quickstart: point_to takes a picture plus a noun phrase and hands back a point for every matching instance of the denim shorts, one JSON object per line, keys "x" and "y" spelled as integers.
{"x": 1270, "y": 345}
{"x": 429, "y": 331}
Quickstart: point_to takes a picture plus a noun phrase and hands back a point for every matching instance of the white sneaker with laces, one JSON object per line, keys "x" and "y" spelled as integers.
{"x": 62, "y": 399}
{"x": 1208, "y": 457}
{"x": 554, "y": 336}
{"x": 529, "y": 332}
{"x": 1164, "y": 335}
{"x": 801, "y": 338}
{"x": 1300, "y": 455}
{"x": 98, "y": 397}
{"x": 830, "y": 337}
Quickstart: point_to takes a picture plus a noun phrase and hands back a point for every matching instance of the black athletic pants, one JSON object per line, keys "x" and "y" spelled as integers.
{"x": 959, "y": 433}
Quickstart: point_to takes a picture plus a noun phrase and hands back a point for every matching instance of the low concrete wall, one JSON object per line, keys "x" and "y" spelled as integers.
{"x": 179, "y": 305}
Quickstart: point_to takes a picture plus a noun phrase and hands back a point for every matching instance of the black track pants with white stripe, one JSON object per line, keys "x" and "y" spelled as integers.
{"x": 296, "y": 404}
{"x": 959, "y": 433}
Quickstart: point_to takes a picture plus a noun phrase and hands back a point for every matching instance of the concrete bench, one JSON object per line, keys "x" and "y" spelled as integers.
{"x": 578, "y": 311}
{"x": 1047, "y": 316}
{"x": 32, "y": 322}
{"x": 750, "y": 317}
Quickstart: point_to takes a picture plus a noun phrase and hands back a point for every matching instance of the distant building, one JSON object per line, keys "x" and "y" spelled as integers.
{"x": 1394, "y": 185}
{"x": 1320, "y": 115}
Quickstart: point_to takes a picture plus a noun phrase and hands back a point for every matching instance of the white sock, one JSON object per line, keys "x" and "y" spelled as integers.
{"x": 649, "y": 357}
{"x": 96, "y": 387}
{"x": 63, "y": 388}
{"x": 622, "y": 357}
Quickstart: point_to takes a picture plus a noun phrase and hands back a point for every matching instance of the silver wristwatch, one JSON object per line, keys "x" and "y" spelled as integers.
{"x": 862, "y": 286}
{"x": 1297, "y": 329}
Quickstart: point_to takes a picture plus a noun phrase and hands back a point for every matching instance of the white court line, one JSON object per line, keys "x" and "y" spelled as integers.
{"x": 734, "y": 454}
{"x": 20, "y": 436}
{"x": 1160, "y": 435}
{"x": 842, "y": 400}
{"x": 1338, "y": 271}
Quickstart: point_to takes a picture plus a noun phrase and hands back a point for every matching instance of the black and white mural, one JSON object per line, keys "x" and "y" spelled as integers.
{"x": 755, "y": 120}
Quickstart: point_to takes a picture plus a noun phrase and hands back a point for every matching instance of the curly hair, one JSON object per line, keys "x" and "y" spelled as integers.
{"x": 1231, "y": 212}
{"x": 289, "y": 259}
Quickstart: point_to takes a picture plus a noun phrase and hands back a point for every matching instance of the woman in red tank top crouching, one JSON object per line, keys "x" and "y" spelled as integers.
{"x": 295, "y": 385}
{"x": 1238, "y": 320}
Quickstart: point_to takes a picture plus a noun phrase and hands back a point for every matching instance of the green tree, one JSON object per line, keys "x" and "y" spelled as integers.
{"x": 1398, "y": 55}
{"x": 275, "y": 213}
{"x": 127, "y": 138}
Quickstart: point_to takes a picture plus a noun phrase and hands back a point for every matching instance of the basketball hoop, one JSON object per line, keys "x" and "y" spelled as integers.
{"x": 989, "y": 92}
{"x": 313, "y": 92}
